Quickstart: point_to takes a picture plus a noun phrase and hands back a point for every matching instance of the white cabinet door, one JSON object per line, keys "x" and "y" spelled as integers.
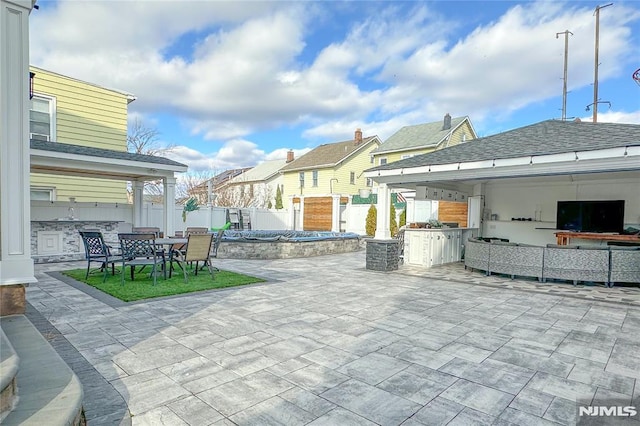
{"x": 416, "y": 252}
{"x": 437, "y": 247}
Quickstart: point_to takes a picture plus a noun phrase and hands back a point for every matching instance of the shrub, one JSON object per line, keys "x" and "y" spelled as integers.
{"x": 372, "y": 218}
{"x": 278, "y": 198}
{"x": 393, "y": 224}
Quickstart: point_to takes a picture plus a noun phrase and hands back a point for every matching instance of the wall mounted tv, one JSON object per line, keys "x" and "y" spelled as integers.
{"x": 591, "y": 216}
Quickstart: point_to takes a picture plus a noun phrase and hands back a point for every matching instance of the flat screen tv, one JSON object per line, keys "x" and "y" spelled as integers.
{"x": 591, "y": 216}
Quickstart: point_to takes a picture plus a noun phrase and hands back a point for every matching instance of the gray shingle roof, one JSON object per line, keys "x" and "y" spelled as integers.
{"x": 425, "y": 135}
{"x": 327, "y": 155}
{"x": 546, "y": 137}
{"x": 100, "y": 152}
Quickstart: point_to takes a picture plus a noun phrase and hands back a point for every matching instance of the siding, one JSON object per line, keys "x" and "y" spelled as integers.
{"x": 456, "y": 136}
{"x": 455, "y": 139}
{"x": 357, "y": 163}
{"x": 395, "y": 156}
{"x": 85, "y": 115}
{"x": 84, "y": 189}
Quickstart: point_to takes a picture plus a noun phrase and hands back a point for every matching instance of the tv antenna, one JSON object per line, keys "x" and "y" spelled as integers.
{"x": 595, "y": 80}
{"x": 564, "y": 78}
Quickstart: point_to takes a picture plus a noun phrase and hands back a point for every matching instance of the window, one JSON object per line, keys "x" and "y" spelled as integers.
{"x": 369, "y": 182}
{"x": 372, "y": 159}
{"x": 42, "y": 118}
{"x": 314, "y": 174}
{"x": 301, "y": 179}
{"x": 383, "y": 161}
{"x": 352, "y": 178}
{"x": 42, "y": 194}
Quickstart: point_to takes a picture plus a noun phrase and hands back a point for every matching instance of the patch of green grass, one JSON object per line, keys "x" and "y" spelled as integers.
{"x": 142, "y": 287}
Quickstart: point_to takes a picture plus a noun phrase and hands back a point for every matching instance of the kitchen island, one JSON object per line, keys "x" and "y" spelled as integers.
{"x": 434, "y": 246}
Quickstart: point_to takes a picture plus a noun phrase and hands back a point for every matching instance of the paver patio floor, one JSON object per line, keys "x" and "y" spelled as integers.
{"x": 326, "y": 342}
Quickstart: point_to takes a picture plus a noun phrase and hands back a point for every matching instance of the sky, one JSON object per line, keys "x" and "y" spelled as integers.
{"x": 230, "y": 84}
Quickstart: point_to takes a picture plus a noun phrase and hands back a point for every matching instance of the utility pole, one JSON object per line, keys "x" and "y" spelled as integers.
{"x": 595, "y": 81}
{"x": 564, "y": 78}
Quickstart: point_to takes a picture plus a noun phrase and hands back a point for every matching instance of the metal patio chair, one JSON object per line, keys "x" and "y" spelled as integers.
{"x": 141, "y": 250}
{"x": 96, "y": 250}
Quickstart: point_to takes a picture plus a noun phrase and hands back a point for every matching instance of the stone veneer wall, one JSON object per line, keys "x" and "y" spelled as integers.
{"x": 285, "y": 249}
{"x": 382, "y": 255}
{"x": 72, "y": 247}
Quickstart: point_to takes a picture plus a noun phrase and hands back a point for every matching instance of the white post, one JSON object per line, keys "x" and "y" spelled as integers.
{"x": 335, "y": 213}
{"x": 301, "y": 216}
{"x": 383, "y": 207}
{"x": 16, "y": 265}
{"x": 137, "y": 186}
{"x": 169, "y": 184}
{"x": 292, "y": 214}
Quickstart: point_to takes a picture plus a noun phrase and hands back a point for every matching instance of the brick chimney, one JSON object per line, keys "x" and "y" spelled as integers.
{"x": 289, "y": 156}
{"x": 446, "y": 125}
{"x": 358, "y": 137}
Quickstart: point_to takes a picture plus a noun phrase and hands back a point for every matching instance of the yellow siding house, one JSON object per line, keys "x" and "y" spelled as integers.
{"x": 419, "y": 139}
{"x": 323, "y": 179}
{"x": 67, "y": 110}
{"x": 335, "y": 168}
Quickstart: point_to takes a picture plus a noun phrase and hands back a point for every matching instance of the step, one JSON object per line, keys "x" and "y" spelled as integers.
{"x": 9, "y": 361}
{"x": 48, "y": 390}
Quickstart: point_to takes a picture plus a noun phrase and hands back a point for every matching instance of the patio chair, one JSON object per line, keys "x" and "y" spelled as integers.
{"x": 146, "y": 230}
{"x": 141, "y": 250}
{"x": 198, "y": 250}
{"x": 190, "y": 230}
{"x": 96, "y": 250}
{"x": 150, "y": 230}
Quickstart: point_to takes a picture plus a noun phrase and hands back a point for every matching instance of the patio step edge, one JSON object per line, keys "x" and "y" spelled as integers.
{"x": 48, "y": 391}
{"x": 9, "y": 362}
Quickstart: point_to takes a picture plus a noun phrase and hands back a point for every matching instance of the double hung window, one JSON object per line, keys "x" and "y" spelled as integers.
{"x": 42, "y": 118}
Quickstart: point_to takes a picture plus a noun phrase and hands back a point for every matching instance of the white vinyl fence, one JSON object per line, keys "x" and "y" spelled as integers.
{"x": 152, "y": 215}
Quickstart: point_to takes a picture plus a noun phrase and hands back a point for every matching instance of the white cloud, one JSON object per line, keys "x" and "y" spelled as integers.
{"x": 632, "y": 117}
{"x": 250, "y": 67}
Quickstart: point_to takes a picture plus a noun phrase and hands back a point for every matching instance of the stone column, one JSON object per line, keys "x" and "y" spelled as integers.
{"x": 383, "y": 207}
{"x": 169, "y": 184}
{"x": 16, "y": 265}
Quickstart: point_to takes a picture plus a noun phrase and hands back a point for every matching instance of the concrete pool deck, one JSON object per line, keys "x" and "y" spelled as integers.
{"x": 326, "y": 342}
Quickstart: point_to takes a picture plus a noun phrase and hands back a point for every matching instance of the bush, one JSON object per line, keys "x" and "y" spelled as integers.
{"x": 372, "y": 218}
{"x": 393, "y": 224}
{"x": 279, "y": 205}
{"x": 403, "y": 218}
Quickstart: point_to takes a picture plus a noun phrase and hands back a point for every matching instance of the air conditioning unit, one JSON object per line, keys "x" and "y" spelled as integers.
{"x": 39, "y": 137}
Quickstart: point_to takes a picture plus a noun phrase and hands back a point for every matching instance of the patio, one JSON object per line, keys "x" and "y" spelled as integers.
{"x": 327, "y": 342}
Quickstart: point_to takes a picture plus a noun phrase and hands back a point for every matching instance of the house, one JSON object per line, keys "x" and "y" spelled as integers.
{"x": 515, "y": 179}
{"x": 215, "y": 186}
{"x": 323, "y": 179}
{"x": 420, "y": 139}
{"x": 257, "y": 186}
{"x": 71, "y": 111}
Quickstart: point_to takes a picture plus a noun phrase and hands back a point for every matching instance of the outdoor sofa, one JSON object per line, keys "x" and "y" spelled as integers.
{"x": 606, "y": 264}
